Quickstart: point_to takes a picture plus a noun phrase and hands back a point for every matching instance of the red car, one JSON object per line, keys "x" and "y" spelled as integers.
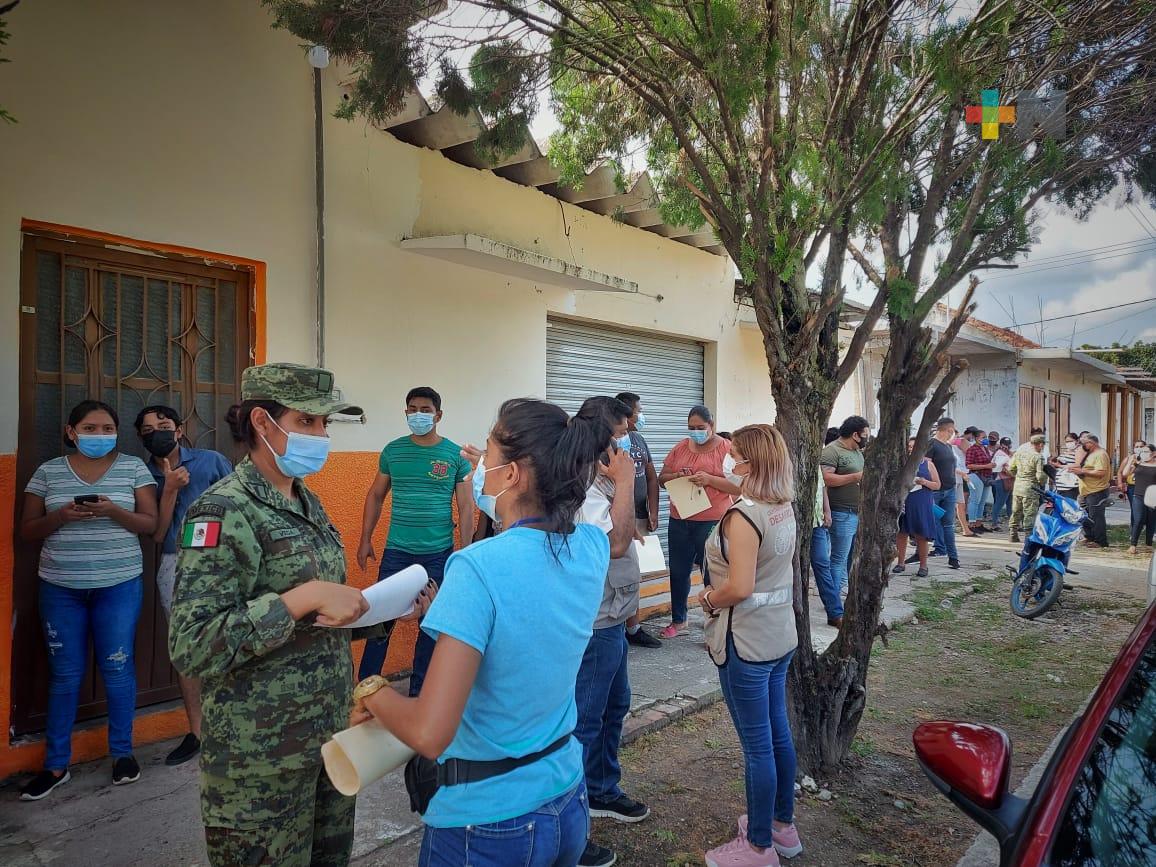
{"x": 1096, "y": 802}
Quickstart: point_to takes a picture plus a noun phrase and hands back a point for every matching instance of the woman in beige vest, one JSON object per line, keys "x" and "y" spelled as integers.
{"x": 751, "y": 636}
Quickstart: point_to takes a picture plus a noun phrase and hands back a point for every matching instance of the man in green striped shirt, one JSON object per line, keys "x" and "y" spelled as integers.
{"x": 425, "y": 472}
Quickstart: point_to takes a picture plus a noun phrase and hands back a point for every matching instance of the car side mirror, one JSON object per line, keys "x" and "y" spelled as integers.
{"x": 971, "y": 765}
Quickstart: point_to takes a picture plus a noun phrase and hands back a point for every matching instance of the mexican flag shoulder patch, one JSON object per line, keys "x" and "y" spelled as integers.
{"x": 201, "y": 534}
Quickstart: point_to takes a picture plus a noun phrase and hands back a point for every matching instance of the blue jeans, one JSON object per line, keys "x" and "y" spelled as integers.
{"x": 1143, "y": 519}
{"x": 975, "y": 503}
{"x": 1001, "y": 505}
{"x": 945, "y": 530}
{"x": 69, "y": 617}
{"x": 844, "y": 525}
{"x": 756, "y": 695}
{"x": 821, "y": 569}
{"x": 602, "y": 693}
{"x": 554, "y": 835}
{"x": 687, "y": 543}
{"x": 393, "y": 560}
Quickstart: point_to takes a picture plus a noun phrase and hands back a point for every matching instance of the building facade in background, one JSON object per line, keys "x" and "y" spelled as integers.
{"x": 159, "y": 233}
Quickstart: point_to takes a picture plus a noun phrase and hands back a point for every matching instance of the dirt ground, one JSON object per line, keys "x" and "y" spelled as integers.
{"x": 964, "y": 658}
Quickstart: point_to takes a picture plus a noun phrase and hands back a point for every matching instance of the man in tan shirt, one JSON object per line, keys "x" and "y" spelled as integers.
{"x": 1095, "y": 476}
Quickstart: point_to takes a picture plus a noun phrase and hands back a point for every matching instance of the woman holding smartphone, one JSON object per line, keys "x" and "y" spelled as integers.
{"x": 89, "y": 508}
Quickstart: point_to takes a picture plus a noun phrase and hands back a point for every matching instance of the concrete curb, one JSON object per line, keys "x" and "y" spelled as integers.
{"x": 659, "y": 714}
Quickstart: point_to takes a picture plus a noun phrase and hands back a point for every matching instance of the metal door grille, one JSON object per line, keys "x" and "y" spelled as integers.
{"x": 584, "y": 360}
{"x": 131, "y": 330}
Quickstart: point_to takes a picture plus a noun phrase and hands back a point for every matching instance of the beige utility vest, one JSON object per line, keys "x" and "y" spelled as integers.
{"x": 763, "y": 625}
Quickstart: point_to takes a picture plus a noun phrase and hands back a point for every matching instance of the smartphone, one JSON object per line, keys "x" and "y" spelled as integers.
{"x": 86, "y": 498}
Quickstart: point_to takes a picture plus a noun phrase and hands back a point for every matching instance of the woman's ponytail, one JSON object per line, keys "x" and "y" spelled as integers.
{"x": 562, "y": 452}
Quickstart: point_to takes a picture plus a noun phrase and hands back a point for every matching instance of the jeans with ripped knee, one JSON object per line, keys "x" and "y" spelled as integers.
{"x": 70, "y": 617}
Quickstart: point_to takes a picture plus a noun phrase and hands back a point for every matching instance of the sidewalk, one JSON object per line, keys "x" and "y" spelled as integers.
{"x": 157, "y": 821}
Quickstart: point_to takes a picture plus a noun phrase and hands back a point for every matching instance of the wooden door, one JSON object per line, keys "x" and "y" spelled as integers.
{"x": 131, "y": 330}
{"x": 1025, "y": 413}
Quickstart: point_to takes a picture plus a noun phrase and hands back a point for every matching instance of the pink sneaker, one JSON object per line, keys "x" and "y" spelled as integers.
{"x": 738, "y": 853}
{"x": 674, "y": 630}
{"x": 786, "y": 840}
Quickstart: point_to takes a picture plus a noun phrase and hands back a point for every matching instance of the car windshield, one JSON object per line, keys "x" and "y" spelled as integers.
{"x": 1111, "y": 814}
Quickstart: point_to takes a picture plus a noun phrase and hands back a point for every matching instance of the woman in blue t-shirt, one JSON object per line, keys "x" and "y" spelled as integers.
{"x": 89, "y": 510}
{"x": 486, "y": 698}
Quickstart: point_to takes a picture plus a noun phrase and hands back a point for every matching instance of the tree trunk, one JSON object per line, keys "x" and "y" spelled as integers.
{"x": 829, "y": 690}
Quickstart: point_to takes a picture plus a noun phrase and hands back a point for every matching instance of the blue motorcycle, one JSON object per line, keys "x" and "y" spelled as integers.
{"x": 1044, "y": 560}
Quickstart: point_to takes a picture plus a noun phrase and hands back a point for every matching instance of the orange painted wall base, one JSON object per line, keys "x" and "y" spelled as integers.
{"x": 341, "y": 486}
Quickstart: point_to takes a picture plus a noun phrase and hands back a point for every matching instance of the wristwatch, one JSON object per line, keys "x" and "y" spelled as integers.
{"x": 368, "y": 687}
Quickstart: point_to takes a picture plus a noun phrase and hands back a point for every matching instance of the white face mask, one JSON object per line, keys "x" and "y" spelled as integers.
{"x": 729, "y": 467}
{"x": 1144, "y": 455}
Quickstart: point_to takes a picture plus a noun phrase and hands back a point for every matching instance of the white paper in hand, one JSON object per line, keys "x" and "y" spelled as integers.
{"x": 392, "y": 597}
{"x": 649, "y": 553}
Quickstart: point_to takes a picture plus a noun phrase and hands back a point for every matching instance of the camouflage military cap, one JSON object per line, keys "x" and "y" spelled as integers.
{"x": 305, "y": 389}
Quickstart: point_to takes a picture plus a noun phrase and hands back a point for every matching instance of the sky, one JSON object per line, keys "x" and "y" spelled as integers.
{"x": 1105, "y": 261}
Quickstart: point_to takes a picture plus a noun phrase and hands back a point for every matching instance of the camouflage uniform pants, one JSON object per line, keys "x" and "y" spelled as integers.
{"x": 288, "y": 819}
{"x": 1024, "y": 508}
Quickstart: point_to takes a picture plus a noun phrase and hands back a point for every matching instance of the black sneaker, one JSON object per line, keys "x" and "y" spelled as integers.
{"x": 596, "y": 856}
{"x": 43, "y": 783}
{"x": 952, "y": 564}
{"x": 642, "y": 638}
{"x": 186, "y": 749}
{"x": 621, "y": 809}
{"x": 125, "y": 770}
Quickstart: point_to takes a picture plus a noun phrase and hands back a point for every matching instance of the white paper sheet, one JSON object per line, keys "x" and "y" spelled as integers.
{"x": 392, "y": 597}
{"x": 650, "y": 557}
{"x": 687, "y": 497}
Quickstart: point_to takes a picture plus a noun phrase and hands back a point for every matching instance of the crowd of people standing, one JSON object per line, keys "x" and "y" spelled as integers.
{"x": 252, "y": 578}
{"x": 535, "y": 531}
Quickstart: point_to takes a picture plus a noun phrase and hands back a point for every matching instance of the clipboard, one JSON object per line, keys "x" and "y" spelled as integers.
{"x": 649, "y": 553}
{"x": 687, "y": 497}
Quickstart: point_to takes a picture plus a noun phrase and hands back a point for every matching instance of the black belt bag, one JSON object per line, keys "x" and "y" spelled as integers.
{"x": 423, "y": 777}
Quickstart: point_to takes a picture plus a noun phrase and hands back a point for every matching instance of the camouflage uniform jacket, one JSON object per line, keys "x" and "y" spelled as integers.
{"x": 273, "y": 689}
{"x": 1027, "y": 467}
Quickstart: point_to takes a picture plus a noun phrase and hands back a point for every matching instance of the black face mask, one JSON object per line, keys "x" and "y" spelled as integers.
{"x": 160, "y": 443}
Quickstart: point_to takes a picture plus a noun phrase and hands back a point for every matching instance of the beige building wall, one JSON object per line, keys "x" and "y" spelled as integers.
{"x": 182, "y": 123}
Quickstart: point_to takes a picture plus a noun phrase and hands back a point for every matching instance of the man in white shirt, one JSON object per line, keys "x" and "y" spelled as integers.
{"x": 602, "y": 690}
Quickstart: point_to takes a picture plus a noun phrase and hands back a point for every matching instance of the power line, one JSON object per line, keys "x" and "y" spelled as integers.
{"x": 1086, "y": 252}
{"x": 1019, "y": 272}
{"x": 1088, "y": 312}
{"x": 1142, "y": 223}
{"x": 1110, "y": 321}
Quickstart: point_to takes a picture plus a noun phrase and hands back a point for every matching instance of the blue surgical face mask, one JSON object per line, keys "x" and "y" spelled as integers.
{"x": 304, "y": 454}
{"x": 699, "y": 436}
{"x": 985, "y": 441}
{"x": 487, "y": 503}
{"x": 623, "y": 442}
{"x": 420, "y": 423}
{"x": 640, "y": 422}
{"x": 95, "y": 445}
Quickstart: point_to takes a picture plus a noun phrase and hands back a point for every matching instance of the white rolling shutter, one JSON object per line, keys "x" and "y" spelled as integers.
{"x": 586, "y": 360}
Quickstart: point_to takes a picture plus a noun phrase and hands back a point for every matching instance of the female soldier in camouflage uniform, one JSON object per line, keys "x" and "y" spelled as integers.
{"x": 261, "y": 568}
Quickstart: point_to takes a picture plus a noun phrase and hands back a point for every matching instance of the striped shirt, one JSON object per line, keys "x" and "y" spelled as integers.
{"x": 95, "y": 552}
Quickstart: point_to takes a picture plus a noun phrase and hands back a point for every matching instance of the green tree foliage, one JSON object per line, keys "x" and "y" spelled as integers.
{"x": 807, "y": 135}
{"x": 1139, "y": 354}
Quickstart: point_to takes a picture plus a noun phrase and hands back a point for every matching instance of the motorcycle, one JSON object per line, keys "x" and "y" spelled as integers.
{"x": 1036, "y": 585}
